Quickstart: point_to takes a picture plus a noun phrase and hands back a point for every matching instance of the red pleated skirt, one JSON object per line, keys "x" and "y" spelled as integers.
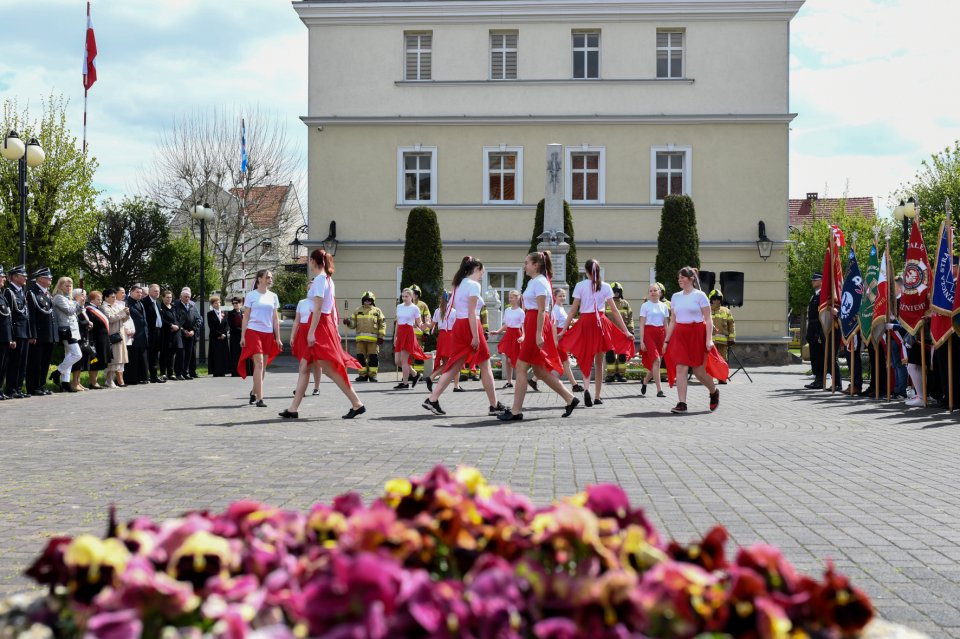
{"x": 299, "y": 346}
{"x": 509, "y": 344}
{"x": 688, "y": 347}
{"x": 548, "y": 356}
{"x": 256, "y": 342}
{"x": 460, "y": 346}
{"x": 406, "y": 340}
{"x": 443, "y": 344}
{"x": 653, "y": 339}
{"x": 594, "y": 333}
{"x": 327, "y": 347}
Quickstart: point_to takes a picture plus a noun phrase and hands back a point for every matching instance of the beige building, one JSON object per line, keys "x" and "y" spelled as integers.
{"x": 451, "y": 104}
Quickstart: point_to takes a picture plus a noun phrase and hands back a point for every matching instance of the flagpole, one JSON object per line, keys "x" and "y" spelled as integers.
{"x": 86, "y": 89}
{"x": 833, "y": 292}
{"x": 891, "y": 292}
{"x": 923, "y": 364}
{"x": 950, "y": 370}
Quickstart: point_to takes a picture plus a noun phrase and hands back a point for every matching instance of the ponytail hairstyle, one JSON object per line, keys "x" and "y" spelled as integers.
{"x": 467, "y": 266}
{"x": 663, "y": 290}
{"x": 544, "y": 262}
{"x": 444, "y": 301}
{"x": 262, "y": 273}
{"x": 324, "y": 260}
{"x": 693, "y": 273}
{"x": 592, "y": 267}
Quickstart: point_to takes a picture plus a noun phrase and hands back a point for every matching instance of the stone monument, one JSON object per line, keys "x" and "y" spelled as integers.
{"x": 553, "y": 238}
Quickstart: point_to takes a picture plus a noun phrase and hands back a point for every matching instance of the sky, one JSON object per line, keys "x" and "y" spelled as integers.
{"x": 869, "y": 80}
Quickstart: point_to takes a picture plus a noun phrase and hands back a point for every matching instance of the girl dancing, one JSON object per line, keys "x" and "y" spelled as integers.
{"x": 509, "y": 345}
{"x": 653, "y": 315}
{"x": 405, "y": 344}
{"x": 260, "y": 334}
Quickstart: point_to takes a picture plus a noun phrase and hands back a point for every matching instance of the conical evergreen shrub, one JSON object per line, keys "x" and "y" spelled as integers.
{"x": 678, "y": 243}
{"x": 423, "y": 255}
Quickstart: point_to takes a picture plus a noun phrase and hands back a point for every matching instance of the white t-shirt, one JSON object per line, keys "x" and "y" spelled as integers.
{"x": 262, "y": 309}
{"x": 304, "y": 308}
{"x": 461, "y": 299}
{"x": 655, "y": 313}
{"x": 407, "y": 315}
{"x": 513, "y": 317}
{"x": 444, "y": 323}
{"x": 559, "y": 315}
{"x": 537, "y": 287}
{"x": 322, "y": 287}
{"x": 686, "y": 308}
{"x": 591, "y": 300}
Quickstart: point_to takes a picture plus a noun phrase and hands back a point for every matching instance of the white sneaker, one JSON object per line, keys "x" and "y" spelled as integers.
{"x": 914, "y": 401}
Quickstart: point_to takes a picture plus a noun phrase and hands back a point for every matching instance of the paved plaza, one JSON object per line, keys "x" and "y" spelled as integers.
{"x": 873, "y": 487}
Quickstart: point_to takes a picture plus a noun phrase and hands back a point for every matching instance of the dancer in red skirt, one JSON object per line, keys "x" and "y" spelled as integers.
{"x": 559, "y": 316}
{"x": 653, "y": 317}
{"x": 594, "y": 334}
{"x": 406, "y": 348}
{"x": 539, "y": 348}
{"x": 443, "y": 319}
{"x": 260, "y": 335}
{"x": 512, "y": 330}
{"x": 298, "y": 339}
{"x": 323, "y": 340}
{"x": 468, "y": 347}
{"x": 689, "y": 341}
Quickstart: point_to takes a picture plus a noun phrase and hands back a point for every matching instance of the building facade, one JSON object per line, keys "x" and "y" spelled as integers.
{"x": 451, "y": 104}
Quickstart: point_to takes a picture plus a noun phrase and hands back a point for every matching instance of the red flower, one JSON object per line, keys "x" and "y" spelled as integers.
{"x": 708, "y": 553}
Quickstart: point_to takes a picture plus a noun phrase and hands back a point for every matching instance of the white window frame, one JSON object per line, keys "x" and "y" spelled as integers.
{"x": 518, "y": 175}
{"x": 601, "y": 182}
{"x": 419, "y": 51}
{"x": 401, "y": 191}
{"x": 504, "y": 298}
{"x": 584, "y": 50}
{"x": 687, "y": 168}
{"x": 669, "y": 49}
{"x": 500, "y": 75}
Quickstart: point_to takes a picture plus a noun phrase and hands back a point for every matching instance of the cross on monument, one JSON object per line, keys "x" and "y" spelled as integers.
{"x": 553, "y": 238}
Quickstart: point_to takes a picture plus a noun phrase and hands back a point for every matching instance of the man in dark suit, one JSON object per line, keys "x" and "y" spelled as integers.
{"x": 189, "y": 325}
{"x": 6, "y": 331}
{"x": 151, "y": 305}
{"x": 136, "y": 371}
{"x": 815, "y": 337}
{"x": 16, "y": 294}
{"x": 43, "y": 332}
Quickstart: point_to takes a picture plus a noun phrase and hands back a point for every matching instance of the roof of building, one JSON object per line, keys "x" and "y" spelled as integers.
{"x": 264, "y": 203}
{"x": 803, "y": 210}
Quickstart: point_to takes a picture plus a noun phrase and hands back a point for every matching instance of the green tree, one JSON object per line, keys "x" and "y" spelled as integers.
{"x": 290, "y": 286}
{"x": 123, "y": 241}
{"x": 61, "y": 206}
{"x": 423, "y": 255}
{"x": 573, "y": 268}
{"x": 937, "y": 181}
{"x": 678, "y": 243}
{"x": 177, "y": 264}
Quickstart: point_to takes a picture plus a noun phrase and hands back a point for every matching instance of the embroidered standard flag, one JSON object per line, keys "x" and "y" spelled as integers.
{"x": 943, "y": 299}
{"x": 89, "y": 55}
{"x": 243, "y": 147}
{"x": 850, "y": 298}
{"x": 881, "y": 305}
{"x": 832, "y": 277}
{"x": 915, "y": 300}
{"x": 869, "y": 292}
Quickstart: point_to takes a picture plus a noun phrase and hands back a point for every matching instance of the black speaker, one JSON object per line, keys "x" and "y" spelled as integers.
{"x": 707, "y": 280}
{"x": 731, "y": 283}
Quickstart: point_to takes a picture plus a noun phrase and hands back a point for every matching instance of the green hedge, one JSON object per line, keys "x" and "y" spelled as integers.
{"x": 678, "y": 243}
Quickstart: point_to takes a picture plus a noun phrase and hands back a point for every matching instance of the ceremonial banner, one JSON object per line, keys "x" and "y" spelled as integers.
{"x": 832, "y": 278}
{"x": 944, "y": 289}
{"x": 881, "y": 305}
{"x": 89, "y": 54}
{"x": 869, "y": 292}
{"x": 851, "y": 298}
{"x": 915, "y": 300}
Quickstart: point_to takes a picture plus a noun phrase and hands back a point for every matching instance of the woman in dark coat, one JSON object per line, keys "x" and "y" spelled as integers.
{"x": 170, "y": 333}
{"x": 218, "y": 357}
{"x": 235, "y": 322}
{"x": 98, "y": 336}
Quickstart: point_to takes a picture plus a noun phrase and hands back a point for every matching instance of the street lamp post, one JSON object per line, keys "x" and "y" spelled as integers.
{"x": 31, "y": 155}
{"x": 904, "y": 213}
{"x": 203, "y": 214}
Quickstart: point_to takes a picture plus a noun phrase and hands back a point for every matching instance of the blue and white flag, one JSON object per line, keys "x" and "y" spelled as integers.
{"x": 850, "y": 298}
{"x": 243, "y": 147}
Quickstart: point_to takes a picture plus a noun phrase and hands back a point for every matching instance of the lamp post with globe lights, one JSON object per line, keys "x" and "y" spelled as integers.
{"x": 30, "y": 154}
{"x": 203, "y": 214}
{"x": 904, "y": 213}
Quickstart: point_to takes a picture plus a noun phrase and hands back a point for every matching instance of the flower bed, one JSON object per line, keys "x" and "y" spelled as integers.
{"x": 443, "y": 555}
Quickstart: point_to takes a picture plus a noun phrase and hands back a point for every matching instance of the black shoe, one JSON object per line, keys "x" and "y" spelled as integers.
{"x": 46, "y": 391}
{"x": 577, "y": 388}
{"x": 353, "y": 412}
{"x": 458, "y": 389}
{"x": 587, "y": 400}
{"x": 253, "y": 398}
{"x": 598, "y": 402}
{"x": 286, "y": 414}
{"x": 316, "y": 391}
{"x": 260, "y": 404}
{"x": 415, "y": 380}
{"x": 433, "y": 407}
{"x": 181, "y": 378}
{"x": 361, "y": 378}
{"x": 643, "y": 388}
{"x": 568, "y": 409}
{"x": 37, "y": 393}
{"x": 815, "y": 385}
{"x": 621, "y": 378}
{"x": 496, "y": 410}
{"x": 55, "y": 377}
{"x": 610, "y": 379}
{"x": 681, "y": 407}
{"x": 66, "y": 388}
{"x": 508, "y": 416}
{"x": 373, "y": 380}
{"x": 507, "y": 385}
{"x": 714, "y": 400}
{"x": 533, "y": 384}
{"x": 661, "y": 394}
{"x": 429, "y": 381}
{"x": 157, "y": 380}
{"x": 401, "y": 386}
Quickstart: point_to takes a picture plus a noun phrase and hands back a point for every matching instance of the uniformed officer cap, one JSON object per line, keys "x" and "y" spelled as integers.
{"x": 43, "y": 271}
{"x": 368, "y": 295}
{"x": 416, "y": 289}
{"x": 2, "y": 272}
{"x": 18, "y": 270}
{"x": 816, "y": 277}
{"x": 617, "y": 289}
{"x": 716, "y": 294}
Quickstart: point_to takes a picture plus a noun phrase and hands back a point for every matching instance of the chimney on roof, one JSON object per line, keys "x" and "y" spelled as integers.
{"x": 813, "y": 196}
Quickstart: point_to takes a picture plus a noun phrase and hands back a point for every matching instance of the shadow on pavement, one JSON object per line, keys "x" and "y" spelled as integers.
{"x": 487, "y": 423}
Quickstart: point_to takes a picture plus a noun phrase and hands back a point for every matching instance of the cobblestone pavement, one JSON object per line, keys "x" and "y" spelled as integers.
{"x": 869, "y": 485}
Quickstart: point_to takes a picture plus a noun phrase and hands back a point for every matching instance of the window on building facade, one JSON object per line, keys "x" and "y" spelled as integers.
{"x": 586, "y": 55}
{"x": 417, "y": 176}
{"x": 585, "y": 168}
{"x": 503, "y": 56}
{"x": 503, "y": 175}
{"x": 671, "y": 172}
{"x": 669, "y": 54}
{"x": 419, "y": 55}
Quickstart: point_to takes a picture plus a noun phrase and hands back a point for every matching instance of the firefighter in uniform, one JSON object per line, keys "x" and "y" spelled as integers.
{"x": 617, "y": 362}
{"x": 16, "y": 294}
{"x": 425, "y": 318}
{"x": 371, "y": 327}
{"x": 724, "y": 327}
{"x": 43, "y": 332}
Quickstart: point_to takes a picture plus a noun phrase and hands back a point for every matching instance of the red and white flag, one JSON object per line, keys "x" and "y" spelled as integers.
{"x": 832, "y": 286}
{"x": 881, "y": 306}
{"x": 917, "y": 282}
{"x": 89, "y": 55}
